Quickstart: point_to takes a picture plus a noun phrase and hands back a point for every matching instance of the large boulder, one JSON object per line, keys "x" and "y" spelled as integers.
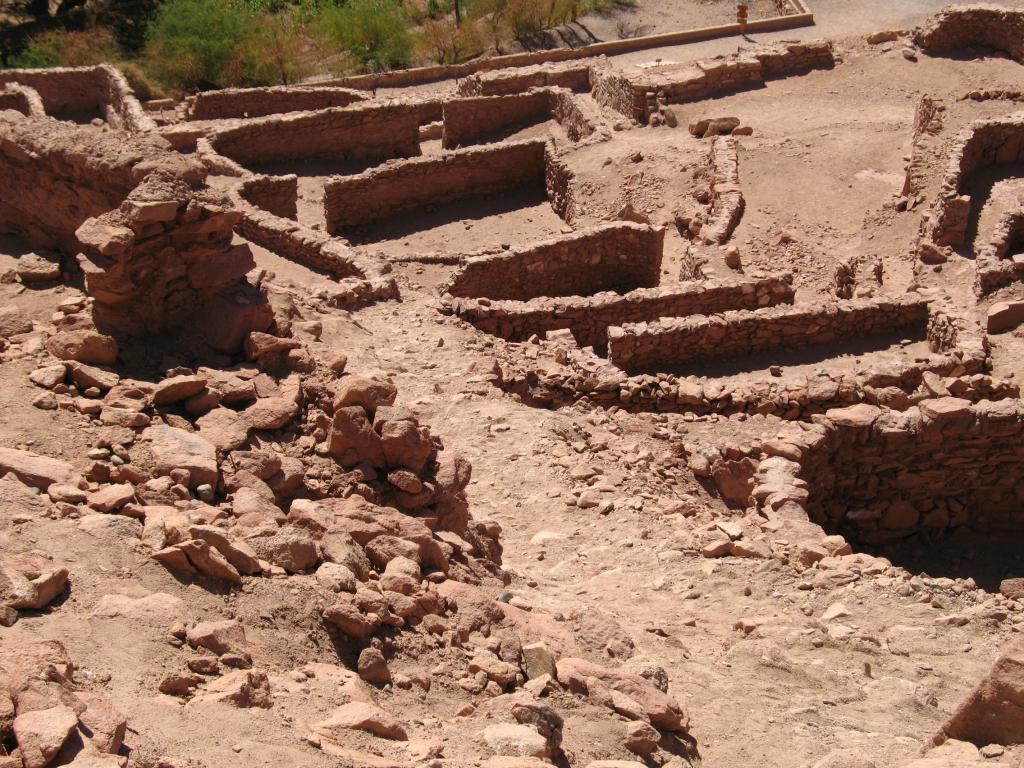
{"x": 174, "y": 448}
{"x": 993, "y": 713}
{"x": 35, "y": 470}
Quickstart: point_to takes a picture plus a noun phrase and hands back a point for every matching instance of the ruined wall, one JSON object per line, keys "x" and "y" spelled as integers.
{"x": 558, "y": 180}
{"x": 120, "y": 107}
{"x": 165, "y": 253}
{"x": 259, "y": 102}
{"x": 588, "y": 318}
{"x": 275, "y": 194}
{"x": 726, "y": 193}
{"x": 671, "y": 342}
{"x": 880, "y": 475}
{"x": 970, "y": 26}
{"x": 637, "y": 95}
{"x": 994, "y": 267}
{"x": 56, "y": 175}
{"x": 575, "y": 77}
{"x": 22, "y": 99}
{"x": 928, "y": 121}
{"x": 467, "y": 121}
{"x": 577, "y": 117}
{"x": 411, "y": 184}
{"x": 619, "y": 256}
{"x": 369, "y": 132}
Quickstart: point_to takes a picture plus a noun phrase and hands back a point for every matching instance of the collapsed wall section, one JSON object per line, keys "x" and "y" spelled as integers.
{"x": 373, "y": 132}
{"x": 619, "y": 256}
{"x": 588, "y": 318}
{"x": 408, "y": 185}
{"x": 670, "y": 342}
{"x": 970, "y": 26}
{"x": 260, "y": 102}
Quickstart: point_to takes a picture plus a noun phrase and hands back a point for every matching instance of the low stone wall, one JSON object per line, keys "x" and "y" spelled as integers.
{"x": 259, "y": 102}
{"x": 502, "y": 82}
{"x": 670, "y": 342}
{"x": 973, "y": 26}
{"x": 364, "y": 132}
{"x": 275, "y": 194}
{"x": 983, "y": 143}
{"x": 22, "y": 99}
{"x": 77, "y": 92}
{"x": 412, "y": 184}
{"x": 558, "y": 180}
{"x": 588, "y": 318}
{"x": 878, "y": 476}
{"x": 928, "y": 121}
{"x": 619, "y": 256}
{"x": 727, "y": 202}
{"x": 638, "y": 95}
{"x": 57, "y": 175}
{"x": 994, "y": 269}
{"x": 474, "y": 119}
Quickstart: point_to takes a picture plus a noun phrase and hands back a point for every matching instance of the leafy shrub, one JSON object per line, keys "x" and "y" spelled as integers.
{"x": 278, "y": 50}
{"x": 62, "y": 48}
{"x": 145, "y": 89}
{"x": 448, "y": 43}
{"x": 375, "y": 33}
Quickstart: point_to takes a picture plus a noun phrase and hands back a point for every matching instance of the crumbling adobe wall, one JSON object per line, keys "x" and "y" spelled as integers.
{"x": 983, "y": 143}
{"x": 674, "y": 341}
{"x": 588, "y": 318}
{"x": 970, "y": 26}
{"x": 259, "y": 102}
{"x": 276, "y": 194}
{"x": 365, "y": 132}
{"x": 411, "y": 184}
{"x": 880, "y": 475}
{"x": 618, "y": 256}
{"x": 637, "y": 96}
{"x": 164, "y": 255}
{"x": 574, "y": 76}
{"x": 57, "y": 175}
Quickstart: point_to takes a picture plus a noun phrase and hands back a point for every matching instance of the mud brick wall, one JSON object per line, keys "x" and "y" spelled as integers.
{"x": 412, "y": 184}
{"x": 879, "y": 475}
{"x": 588, "y": 318}
{"x": 275, "y": 194}
{"x": 673, "y": 341}
{"x": 367, "y": 132}
{"x": 575, "y": 77}
{"x": 969, "y": 26}
{"x": 619, "y": 257}
{"x": 259, "y": 102}
{"x": 636, "y": 95}
{"x": 163, "y": 255}
{"x": 57, "y": 175}
{"x": 467, "y": 121}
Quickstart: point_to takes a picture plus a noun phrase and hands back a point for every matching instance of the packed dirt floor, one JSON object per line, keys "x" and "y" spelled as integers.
{"x": 596, "y": 537}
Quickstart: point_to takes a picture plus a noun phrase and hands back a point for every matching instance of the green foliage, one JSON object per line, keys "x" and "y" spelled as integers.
{"x": 192, "y": 44}
{"x": 61, "y": 48}
{"x": 278, "y": 50}
{"x": 375, "y": 33}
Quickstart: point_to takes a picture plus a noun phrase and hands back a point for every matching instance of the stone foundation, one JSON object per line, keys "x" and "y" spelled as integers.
{"x": 376, "y": 132}
{"x": 726, "y": 194}
{"x": 275, "y": 194}
{"x": 970, "y": 26}
{"x": 409, "y": 185}
{"x": 260, "y": 102}
{"x": 473, "y": 120}
{"x": 618, "y": 257}
{"x": 670, "y": 342}
{"x": 588, "y": 318}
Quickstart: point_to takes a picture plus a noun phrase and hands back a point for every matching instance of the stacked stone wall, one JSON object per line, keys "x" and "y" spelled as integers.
{"x": 973, "y": 26}
{"x": 260, "y": 102}
{"x": 467, "y": 121}
{"x": 408, "y": 185}
{"x": 360, "y": 132}
{"x": 994, "y": 268}
{"x": 120, "y": 107}
{"x": 588, "y": 318}
{"x": 502, "y": 82}
{"x": 22, "y": 99}
{"x": 727, "y": 202}
{"x": 275, "y": 194}
{"x": 618, "y": 257}
{"x": 670, "y": 342}
{"x": 558, "y": 180}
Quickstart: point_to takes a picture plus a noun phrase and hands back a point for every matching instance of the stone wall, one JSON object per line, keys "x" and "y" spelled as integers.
{"x": 619, "y": 256}
{"x": 163, "y": 255}
{"x": 928, "y": 121}
{"x": 878, "y": 476}
{"x": 57, "y": 175}
{"x": 276, "y": 194}
{"x": 726, "y": 194}
{"x": 408, "y": 185}
{"x": 670, "y": 342}
{"x": 22, "y": 99}
{"x": 994, "y": 267}
{"x": 971, "y": 26}
{"x": 575, "y": 77}
{"x": 364, "y": 132}
{"x": 558, "y": 180}
{"x": 120, "y": 108}
{"x": 259, "y": 102}
{"x": 588, "y": 318}
{"x": 638, "y": 95}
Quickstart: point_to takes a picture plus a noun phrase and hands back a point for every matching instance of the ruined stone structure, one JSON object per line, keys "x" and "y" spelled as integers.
{"x": 259, "y": 102}
{"x": 970, "y": 26}
{"x": 474, "y": 119}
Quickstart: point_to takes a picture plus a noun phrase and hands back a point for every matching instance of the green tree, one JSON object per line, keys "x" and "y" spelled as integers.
{"x": 375, "y": 33}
